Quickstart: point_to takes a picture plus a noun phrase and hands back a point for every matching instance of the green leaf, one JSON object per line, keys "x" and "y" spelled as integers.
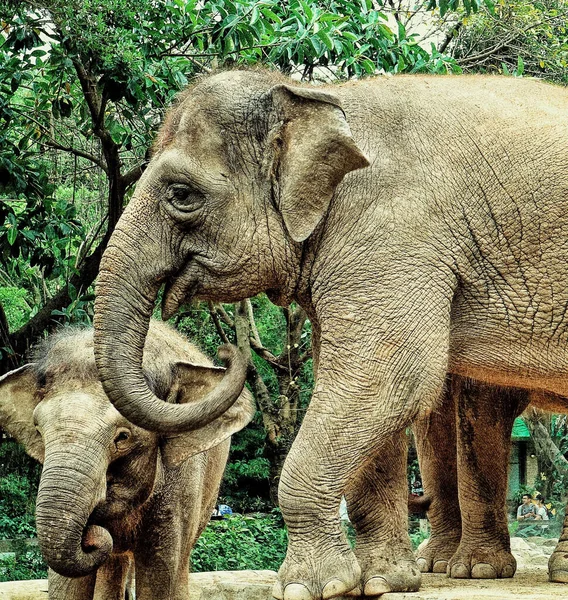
{"x": 255, "y": 14}
{"x": 271, "y": 15}
{"x": 368, "y": 65}
{"x": 307, "y": 11}
{"x": 324, "y": 37}
{"x": 350, "y": 36}
{"x": 11, "y": 234}
{"x": 228, "y": 45}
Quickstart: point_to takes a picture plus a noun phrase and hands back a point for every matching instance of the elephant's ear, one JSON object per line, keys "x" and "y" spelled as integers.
{"x": 314, "y": 150}
{"x": 18, "y": 399}
{"x": 191, "y": 383}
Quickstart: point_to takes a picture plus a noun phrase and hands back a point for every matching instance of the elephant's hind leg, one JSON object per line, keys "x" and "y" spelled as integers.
{"x": 558, "y": 562}
{"x": 485, "y": 420}
{"x": 435, "y": 436}
{"x": 377, "y": 506}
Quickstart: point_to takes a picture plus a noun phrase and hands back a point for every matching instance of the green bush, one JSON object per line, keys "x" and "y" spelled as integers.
{"x": 23, "y": 566}
{"x": 240, "y": 542}
{"x": 17, "y": 496}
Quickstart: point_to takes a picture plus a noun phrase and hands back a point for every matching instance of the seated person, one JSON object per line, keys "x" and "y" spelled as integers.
{"x": 541, "y": 512}
{"x": 527, "y": 510}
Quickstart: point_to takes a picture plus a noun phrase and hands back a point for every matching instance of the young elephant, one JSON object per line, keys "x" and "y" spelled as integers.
{"x": 112, "y": 494}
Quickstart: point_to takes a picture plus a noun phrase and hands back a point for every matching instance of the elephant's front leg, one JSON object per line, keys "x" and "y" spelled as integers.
{"x": 435, "y": 436}
{"x": 66, "y": 588}
{"x": 485, "y": 420}
{"x": 355, "y": 410}
{"x": 113, "y": 577}
{"x": 161, "y": 558}
{"x": 377, "y": 506}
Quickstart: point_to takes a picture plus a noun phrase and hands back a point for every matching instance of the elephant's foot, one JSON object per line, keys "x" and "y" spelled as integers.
{"x": 482, "y": 562}
{"x": 310, "y": 574}
{"x": 387, "y": 569}
{"x": 435, "y": 555}
{"x": 558, "y": 563}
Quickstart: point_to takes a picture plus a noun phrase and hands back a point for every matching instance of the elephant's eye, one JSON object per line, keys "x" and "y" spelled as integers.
{"x": 184, "y": 197}
{"x": 122, "y": 436}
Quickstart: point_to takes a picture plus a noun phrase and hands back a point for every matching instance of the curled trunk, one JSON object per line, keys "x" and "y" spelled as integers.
{"x": 68, "y": 494}
{"x": 124, "y": 305}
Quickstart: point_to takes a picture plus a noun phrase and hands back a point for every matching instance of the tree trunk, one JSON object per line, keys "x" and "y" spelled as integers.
{"x": 280, "y": 419}
{"x": 548, "y": 453}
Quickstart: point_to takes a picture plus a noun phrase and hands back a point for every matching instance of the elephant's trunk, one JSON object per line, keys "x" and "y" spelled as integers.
{"x": 70, "y": 488}
{"x": 123, "y": 307}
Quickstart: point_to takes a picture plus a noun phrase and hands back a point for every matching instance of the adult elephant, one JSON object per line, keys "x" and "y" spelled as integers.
{"x": 420, "y": 221}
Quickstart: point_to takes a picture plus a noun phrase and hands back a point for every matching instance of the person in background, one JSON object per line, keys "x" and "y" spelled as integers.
{"x": 541, "y": 512}
{"x": 527, "y": 510}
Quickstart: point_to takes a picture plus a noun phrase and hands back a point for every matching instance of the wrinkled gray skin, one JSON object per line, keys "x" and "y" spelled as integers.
{"x": 112, "y": 496}
{"x": 464, "y": 449}
{"x": 420, "y": 221}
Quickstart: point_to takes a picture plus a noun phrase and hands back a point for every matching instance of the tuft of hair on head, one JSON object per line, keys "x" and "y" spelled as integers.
{"x": 68, "y": 349}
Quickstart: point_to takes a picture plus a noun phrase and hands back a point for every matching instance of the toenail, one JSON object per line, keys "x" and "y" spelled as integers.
{"x": 296, "y": 591}
{"x": 376, "y": 586}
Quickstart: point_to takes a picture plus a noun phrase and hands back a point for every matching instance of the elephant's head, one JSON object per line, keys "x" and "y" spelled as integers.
{"x": 98, "y": 468}
{"x": 245, "y": 168}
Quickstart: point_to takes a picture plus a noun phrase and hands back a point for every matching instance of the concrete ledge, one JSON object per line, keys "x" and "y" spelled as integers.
{"x": 220, "y": 585}
{"x": 530, "y": 583}
{"x": 35, "y": 589}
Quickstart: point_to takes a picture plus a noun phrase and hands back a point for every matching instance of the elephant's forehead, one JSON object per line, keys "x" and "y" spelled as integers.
{"x": 85, "y": 407}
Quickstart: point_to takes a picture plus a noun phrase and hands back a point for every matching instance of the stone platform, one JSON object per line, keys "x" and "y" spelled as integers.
{"x": 530, "y": 583}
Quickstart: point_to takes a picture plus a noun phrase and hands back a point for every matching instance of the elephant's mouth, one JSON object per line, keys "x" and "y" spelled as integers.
{"x": 178, "y": 290}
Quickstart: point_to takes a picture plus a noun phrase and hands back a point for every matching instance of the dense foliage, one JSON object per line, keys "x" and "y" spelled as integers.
{"x": 240, "y": 542}
{"x": 522, "y": 37}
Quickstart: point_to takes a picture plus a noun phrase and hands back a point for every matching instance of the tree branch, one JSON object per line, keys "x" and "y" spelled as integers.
{"x": 544, "y": 444}
{"x": 5, "y": 341}
{"x": 77, "y": 152}
{"x": 450, "y": 36}
{"x": 133, "y": 175}
{"x": 224, "y": 316}
{"x": 215, "y": 316}
{"x": 21, "y": 339}
{"x": 254, "y": 330}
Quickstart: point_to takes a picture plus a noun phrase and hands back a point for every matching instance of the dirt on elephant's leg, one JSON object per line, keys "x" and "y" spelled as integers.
{"x": 435, "y": 436}
{"x": 558, "y": 561}
{"x": 485, "y": 416}
{"x": 377, "y": 507}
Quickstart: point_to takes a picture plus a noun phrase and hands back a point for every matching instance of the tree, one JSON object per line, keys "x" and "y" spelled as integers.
{"x": 519, "y": 36}
{"x": 549, "y": 437}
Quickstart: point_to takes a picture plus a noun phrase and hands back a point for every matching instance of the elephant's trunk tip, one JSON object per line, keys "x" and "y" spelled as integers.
{"x": 95, "y": 548}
